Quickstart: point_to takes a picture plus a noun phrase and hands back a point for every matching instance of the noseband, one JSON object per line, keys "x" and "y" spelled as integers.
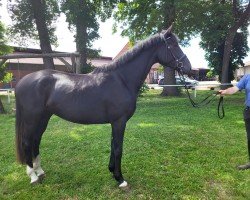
{"x": 178, "y": 61}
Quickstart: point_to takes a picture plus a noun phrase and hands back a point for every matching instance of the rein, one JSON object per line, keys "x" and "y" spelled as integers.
{"x": 205, "y": 101}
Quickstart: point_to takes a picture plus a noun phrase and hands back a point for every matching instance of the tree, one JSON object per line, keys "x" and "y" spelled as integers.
{"x": 223, "y": 53}
{"x": 140, "y": 18}
{"x": 216, "y": 22}
{"x": 83, "y": 16}
{"x": 241, "y": 17}
{"x": 4, "y": 49}
{"x": 34, "y": 19}
{"x": 38, "y": 8}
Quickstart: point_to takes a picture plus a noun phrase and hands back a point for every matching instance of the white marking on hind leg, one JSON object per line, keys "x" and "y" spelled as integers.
{"x": 31, "y": 173}
{"x": 37, "y": 166}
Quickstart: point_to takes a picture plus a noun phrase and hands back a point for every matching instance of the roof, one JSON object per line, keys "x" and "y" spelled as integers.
{"x": 30, "y": 50}
{"x": 97, "y": 62}
{"x": 154, "y": 67}
{"x": 247, "y": 63}
{"x": 123, "y": 51}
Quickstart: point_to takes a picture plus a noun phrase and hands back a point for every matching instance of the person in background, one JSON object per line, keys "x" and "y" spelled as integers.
{"x": 244, "y": 83}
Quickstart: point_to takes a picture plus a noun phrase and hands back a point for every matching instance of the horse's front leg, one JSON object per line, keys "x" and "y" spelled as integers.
{"x": 118, "y": 128}
{"x": 112, "y": 157}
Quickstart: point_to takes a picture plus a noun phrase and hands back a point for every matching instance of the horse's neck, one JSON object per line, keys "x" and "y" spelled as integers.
{"x": 135, "y": 71}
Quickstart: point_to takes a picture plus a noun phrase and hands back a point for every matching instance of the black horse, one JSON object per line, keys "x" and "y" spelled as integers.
{"x": 107, "y": 95}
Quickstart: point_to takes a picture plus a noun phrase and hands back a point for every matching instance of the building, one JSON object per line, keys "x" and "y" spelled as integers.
{"x": 241, "y": 71}
{"x": 23, "y": 66}
{"x": 154, "y": 72}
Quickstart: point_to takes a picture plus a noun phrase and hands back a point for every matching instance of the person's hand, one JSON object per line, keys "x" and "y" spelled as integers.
{"x": 222, "y": 92}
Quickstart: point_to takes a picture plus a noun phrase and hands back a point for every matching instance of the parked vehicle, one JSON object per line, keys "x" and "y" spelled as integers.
{"x": 188, "y": 81}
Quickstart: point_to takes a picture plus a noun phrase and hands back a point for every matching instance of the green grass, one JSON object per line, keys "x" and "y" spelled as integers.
{"x": 171, "y": 151}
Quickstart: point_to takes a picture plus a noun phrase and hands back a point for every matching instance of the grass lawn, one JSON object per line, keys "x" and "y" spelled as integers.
{"x": 171, "y": 151}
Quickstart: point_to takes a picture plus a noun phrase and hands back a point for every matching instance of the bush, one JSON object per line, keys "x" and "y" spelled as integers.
{"x": 144, "y": 88}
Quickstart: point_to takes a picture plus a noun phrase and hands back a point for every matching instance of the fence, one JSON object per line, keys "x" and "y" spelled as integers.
{"x": 9, "y": 91}
{"x": 208, "y": 86}
{"x": 194, "y": 88}
{"x": 60, "y": 56}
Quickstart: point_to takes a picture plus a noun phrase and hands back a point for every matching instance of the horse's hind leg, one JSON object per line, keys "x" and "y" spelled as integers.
{"x": 33, "y": 130}
{"x": 36, "y": 143}
{"x": 27, "y": 146}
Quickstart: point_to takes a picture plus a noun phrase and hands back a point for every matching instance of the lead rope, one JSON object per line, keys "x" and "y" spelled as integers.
{"x": 220, "y": 108}
{"x": 205, "y": 101}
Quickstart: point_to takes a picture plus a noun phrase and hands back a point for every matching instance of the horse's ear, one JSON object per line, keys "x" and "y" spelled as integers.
{"x": 168, "y": 31}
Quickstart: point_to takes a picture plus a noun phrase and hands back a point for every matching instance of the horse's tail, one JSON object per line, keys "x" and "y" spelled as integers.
{"x": 20, "y": 151}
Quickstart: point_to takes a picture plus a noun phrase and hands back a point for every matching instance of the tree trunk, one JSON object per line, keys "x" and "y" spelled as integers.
{"x": 2, "y": 110}
{"x": 228, "y": 44}
{"x": 226, "y": 59}
{"x": 38, "y": 7}
{"x": 81, "y": 41}
{"x": 169, "y": 79}
{"x": 169, "y": 73}
{"x": 81, "y": 47}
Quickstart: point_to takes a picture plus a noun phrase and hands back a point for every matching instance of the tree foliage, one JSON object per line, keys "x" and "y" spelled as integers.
{"x": 218, "y": 18}
{"x": 207, "y": 18}
{"x": 4, "y": 49}
{"x": 83, "y": 17}
{"x": 23, "y": 26}
{"x": 32, "y": 19}
{"x": 140, "y": 18}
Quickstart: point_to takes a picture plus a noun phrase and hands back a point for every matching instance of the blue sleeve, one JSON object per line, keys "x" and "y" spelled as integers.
{"x": 242, "y": 83}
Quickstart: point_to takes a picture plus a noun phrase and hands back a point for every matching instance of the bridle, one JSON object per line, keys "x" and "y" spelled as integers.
{"x": 178, "y": 61}
{"x": 180, "y": 69}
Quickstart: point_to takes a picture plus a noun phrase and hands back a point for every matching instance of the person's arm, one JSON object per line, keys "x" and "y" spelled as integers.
{"x": 230, "y": 90}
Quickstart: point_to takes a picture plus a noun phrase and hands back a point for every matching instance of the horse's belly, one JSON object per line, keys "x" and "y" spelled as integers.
{"x": 91, "y": 108}
{"x": 93, "y": 114}
{"x": 83, "y": 116}
{"x": 85, "y": 120}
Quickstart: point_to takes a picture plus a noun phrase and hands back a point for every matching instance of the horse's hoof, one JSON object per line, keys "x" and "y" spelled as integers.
{"x": 243, "y": 167}
{"x": 41, "y": 177}
{"x": 123, "y": 184}
{"x": 35, "y": 182}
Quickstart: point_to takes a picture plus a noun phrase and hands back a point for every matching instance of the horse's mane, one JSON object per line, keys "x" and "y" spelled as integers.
{"x": 129, "y": 55}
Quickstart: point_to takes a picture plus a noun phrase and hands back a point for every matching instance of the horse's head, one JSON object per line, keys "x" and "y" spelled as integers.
{"x": 170, "y": 53}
